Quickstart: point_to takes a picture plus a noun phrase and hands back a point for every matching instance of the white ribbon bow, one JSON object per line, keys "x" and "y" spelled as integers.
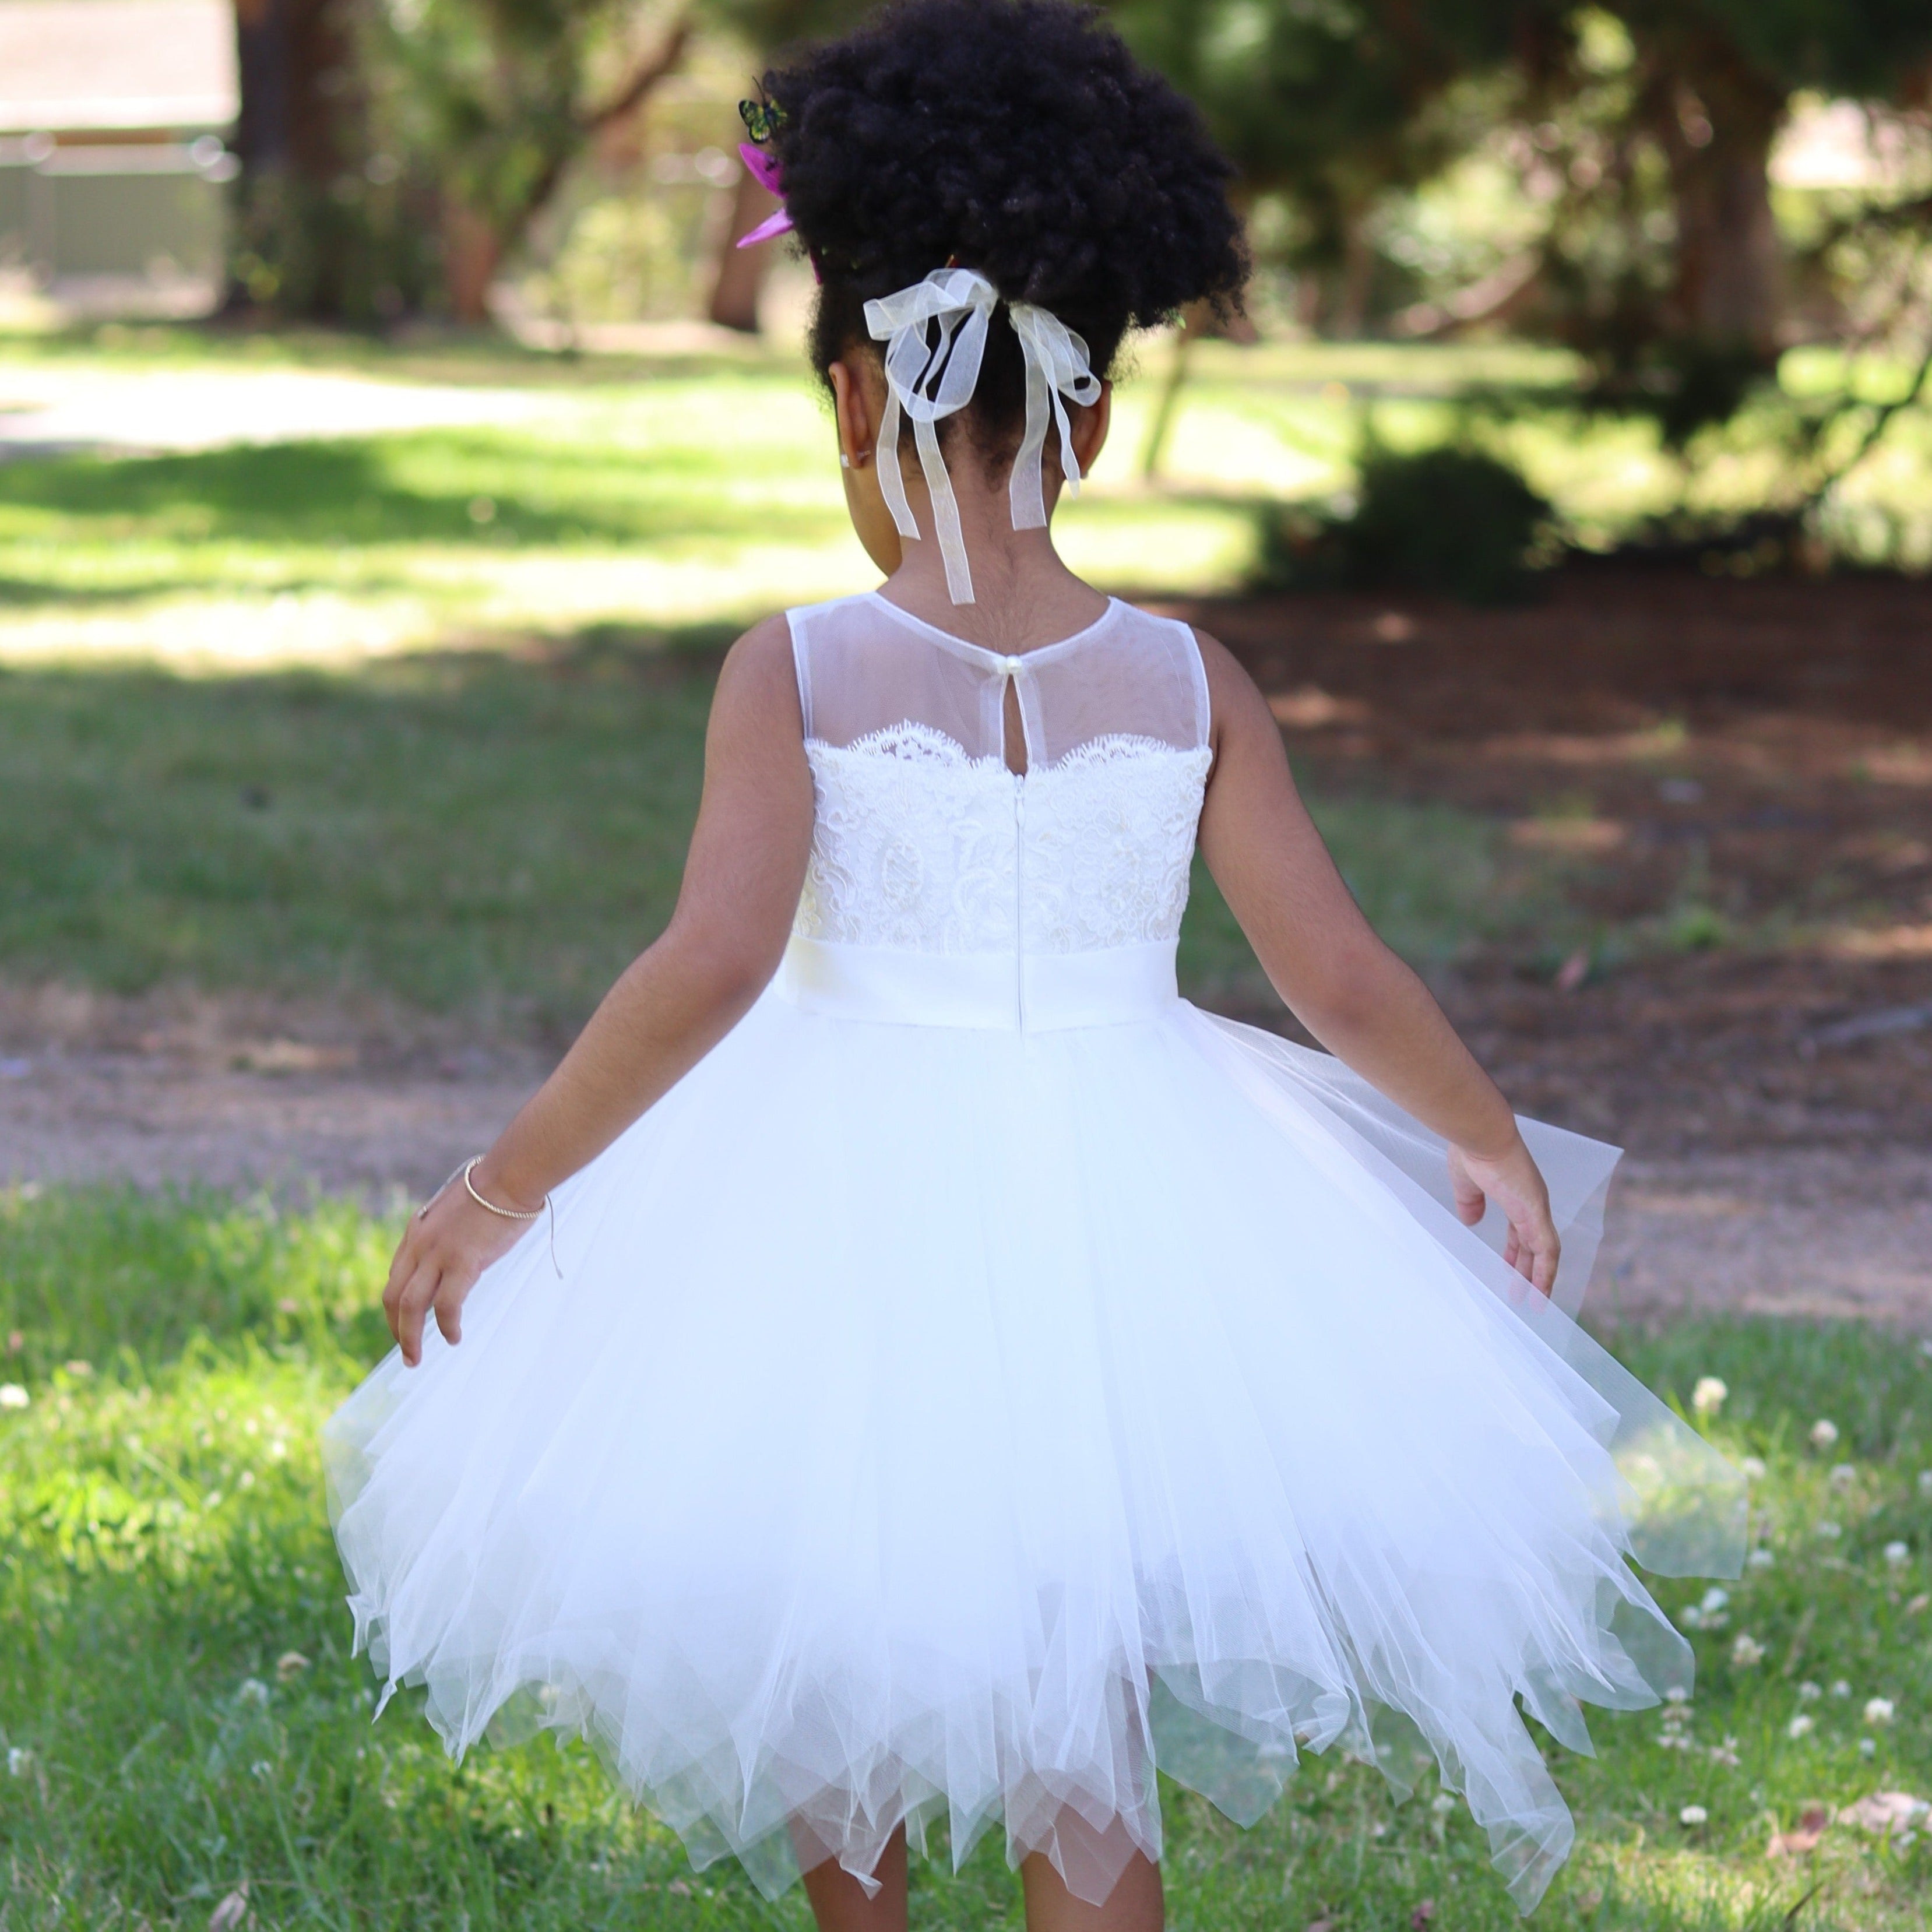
{"x": 1056, "y": 364}
{"x": 930, "y": 381}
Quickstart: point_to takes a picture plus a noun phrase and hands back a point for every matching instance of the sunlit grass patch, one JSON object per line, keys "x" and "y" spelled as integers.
{"x": 180, "y": 1718}
{"x": 702, "y": 487}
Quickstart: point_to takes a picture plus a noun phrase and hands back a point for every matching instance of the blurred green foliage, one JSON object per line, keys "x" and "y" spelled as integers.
{"x": 1447, "y": 518}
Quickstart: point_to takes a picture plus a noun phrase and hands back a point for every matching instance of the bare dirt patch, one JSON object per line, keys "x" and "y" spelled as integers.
{"x": 246, "y": 1089}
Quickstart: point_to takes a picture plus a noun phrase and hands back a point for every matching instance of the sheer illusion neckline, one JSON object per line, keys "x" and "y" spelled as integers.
{"x": 982, "y": 651}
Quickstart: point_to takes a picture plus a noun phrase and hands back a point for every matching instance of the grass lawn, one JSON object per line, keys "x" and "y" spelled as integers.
{"x": 419, "y": 717}
{"x": 697, "y": 488}
{"x": 180, "y": 1716}
{"x": 479, "y": 833}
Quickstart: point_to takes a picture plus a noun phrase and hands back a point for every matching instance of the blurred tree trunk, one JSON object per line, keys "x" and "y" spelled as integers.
{"x": 1354, "y": 278}
{"x": 1718, "y": 132}
{"x": 296, "y": 63}
{"x": 472, "y": 251}
{"x": 740, "y": 272}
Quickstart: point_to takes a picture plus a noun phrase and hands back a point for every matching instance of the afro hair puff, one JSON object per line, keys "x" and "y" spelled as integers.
{"x": 1017, "y": 137}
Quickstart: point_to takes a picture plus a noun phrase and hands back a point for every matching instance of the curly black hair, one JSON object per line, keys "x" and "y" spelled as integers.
{"x": 1017, "y": 137}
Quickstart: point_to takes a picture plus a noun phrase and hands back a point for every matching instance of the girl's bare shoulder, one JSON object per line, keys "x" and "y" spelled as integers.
{"x": 758, "y": 685}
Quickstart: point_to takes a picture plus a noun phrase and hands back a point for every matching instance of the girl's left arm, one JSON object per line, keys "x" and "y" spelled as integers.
{"x": 1345, "y": 986}
{"x": 673, "y": 1004}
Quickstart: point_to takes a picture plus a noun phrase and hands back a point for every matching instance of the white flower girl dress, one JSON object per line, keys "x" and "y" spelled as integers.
{"x": 986, "y": 1378}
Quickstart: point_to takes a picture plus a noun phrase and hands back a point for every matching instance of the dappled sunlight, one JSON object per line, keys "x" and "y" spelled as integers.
{"x": 541, "y": 491}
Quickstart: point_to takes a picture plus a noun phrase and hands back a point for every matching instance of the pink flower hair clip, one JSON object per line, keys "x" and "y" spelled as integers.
{"x": 762, "y": 120}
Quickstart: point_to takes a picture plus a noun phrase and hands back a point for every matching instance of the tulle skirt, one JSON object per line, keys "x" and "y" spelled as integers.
{"x": 933, "y": 1422}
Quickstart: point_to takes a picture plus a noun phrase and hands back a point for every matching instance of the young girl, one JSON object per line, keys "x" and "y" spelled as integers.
{"x": 911, "y": 1362}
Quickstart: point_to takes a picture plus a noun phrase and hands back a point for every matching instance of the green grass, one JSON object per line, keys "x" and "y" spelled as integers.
{"x": 459, "y": 833}
{"x": 699, "y": 488}
{"x": 476, "y": 833}
{"x": 180, "y": 1715}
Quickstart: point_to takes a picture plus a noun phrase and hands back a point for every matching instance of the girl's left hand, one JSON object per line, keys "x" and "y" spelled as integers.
{"x": 1515, "y": 1182}
{"x": 448, "y": 1245}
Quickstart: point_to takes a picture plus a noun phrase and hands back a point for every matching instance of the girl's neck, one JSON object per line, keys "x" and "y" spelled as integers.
{"x": 1023, "y": 595}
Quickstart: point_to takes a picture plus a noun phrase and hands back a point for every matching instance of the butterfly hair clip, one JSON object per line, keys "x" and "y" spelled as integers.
{"x": 762, "y": 120}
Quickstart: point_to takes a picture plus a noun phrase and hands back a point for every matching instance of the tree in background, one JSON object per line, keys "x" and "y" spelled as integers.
{"x": 1328, "y": 105}
{"x": 1679, "y": 122}
{"x": 766, "y": 26}
{"x": 393, "y": 151}
{"x": 499, "y": 97}
{"x": 1643, "y": 128}
{"x": 324, "y": 227}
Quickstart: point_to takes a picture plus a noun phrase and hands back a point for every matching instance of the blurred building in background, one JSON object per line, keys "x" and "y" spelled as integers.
{"x": 115, "y": 116}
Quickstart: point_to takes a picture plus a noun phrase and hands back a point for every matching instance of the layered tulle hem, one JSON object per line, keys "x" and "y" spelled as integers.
{"x": 968, "y": 1428}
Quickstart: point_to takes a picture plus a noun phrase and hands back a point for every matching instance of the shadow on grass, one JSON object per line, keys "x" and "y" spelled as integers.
{"x": 437, "y": 488}
{"x": 488, "y": 829}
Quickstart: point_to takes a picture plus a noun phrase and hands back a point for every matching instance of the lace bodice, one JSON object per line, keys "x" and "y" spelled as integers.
{"x": 925, "y": 842}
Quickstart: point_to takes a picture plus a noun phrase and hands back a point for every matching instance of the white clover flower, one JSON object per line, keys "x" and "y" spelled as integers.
{"x": 1823, "y": 1433}
{"x": 1442, "y": 1804}
{"x": 1809, "y": 1693}
{"x": 1830, "y": 1530}
{"x": 253, "y": 1691}
{"x": 1868, "y": 1748}
{"x": 1693, "y": 1815}
{"x": 1754, "y": 1467}
{"x": 1898, "y": 1554}
{"x": 1839, "y": 1688}
{"x": 1761, "y": 1557}
{"x": 1925, "y": 1482}
{"x": 1799, "y": 1725}
{"x": 1714, "y": 1600}
{"x": 1844, "y": 1475}
{"x": 1691, "y": 1617}
{"x": 1726, "y": 1753}
{"x": 19, "y": 1761}
{"x": 1878, "y": 1712}
{"x": 13, "y": 1396}
{"x": 1676, "y": 1694}
{"x": 1746, "y": 1651}
{"x": 1707, "y": 1397}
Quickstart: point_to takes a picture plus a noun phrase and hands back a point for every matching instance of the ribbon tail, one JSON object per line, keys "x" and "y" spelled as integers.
{"x": 886, "y": 453}
{"x": 945, "y": 513}
{"x": 1025, "y": 492}
{"x": 1069, "y": 463}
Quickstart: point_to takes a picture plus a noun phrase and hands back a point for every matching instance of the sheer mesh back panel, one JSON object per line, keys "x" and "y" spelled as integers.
{"x": 865, "y": 666}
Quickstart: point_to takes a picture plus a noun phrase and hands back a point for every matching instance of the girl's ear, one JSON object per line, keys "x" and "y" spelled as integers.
{"x": 858, "y": 402}
{"x": 1089, "y": 427}
{"x": 858, "y": 420}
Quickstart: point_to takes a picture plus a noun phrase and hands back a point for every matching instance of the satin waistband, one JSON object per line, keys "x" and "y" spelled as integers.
{"x": 1027, "y": 992}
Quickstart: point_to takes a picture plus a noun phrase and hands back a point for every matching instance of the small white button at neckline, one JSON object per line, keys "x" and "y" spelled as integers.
{"x": 1009, "y": 665}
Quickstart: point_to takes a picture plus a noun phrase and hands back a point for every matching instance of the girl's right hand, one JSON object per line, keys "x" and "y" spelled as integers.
{"x": 448, "y": 1243}
{"x": 1513, "y": 1181}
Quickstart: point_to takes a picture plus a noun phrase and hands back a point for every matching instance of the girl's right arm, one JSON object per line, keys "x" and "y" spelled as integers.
{"x": 672, "y": 1005}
